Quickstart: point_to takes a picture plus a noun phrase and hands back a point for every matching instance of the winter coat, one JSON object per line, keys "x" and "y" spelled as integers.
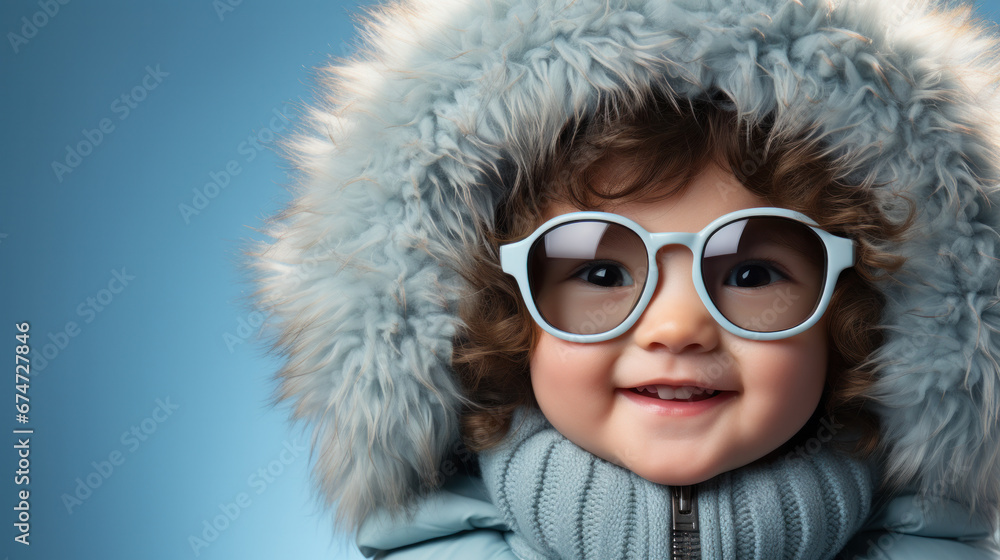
{"x": 359, "y": 279}
{"x": 459, "y": 522}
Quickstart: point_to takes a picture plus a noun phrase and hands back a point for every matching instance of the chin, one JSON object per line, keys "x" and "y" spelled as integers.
{"x": 676, "y": 476}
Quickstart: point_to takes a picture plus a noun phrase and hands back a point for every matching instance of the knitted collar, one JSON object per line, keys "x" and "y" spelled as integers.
{"x": 563, "y": 502}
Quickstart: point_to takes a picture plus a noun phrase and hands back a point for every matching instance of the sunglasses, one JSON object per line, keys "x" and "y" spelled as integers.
{"x": 762, "y": 273}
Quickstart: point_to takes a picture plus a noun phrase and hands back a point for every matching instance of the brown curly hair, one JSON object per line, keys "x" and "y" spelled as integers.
{"x": 653, "y": 139}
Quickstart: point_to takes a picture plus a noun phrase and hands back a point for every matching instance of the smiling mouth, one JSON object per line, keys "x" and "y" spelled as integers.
{"x": 671, "y": 393}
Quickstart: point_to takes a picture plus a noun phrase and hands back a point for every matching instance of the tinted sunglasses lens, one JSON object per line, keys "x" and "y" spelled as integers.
{"x": 765, "y": 274}
{"x": 587, "y": 276}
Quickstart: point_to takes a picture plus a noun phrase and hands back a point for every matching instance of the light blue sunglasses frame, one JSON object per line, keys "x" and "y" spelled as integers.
{"x": 839, "y": 257}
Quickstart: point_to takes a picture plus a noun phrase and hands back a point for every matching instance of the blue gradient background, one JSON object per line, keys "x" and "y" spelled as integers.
{"x": 164, "y": 336}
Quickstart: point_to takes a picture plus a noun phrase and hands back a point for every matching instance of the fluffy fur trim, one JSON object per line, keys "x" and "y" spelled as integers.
{"x": 358, "y": 278}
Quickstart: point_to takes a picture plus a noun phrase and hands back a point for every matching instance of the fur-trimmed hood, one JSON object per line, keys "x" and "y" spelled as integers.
{"x": 359, "y": 280}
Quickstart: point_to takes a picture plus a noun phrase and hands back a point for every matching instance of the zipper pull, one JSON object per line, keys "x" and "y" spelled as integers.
{"x": 685, "y": 544}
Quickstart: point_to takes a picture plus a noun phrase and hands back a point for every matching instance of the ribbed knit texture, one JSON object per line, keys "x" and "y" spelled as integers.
{"x": 563, "y": 502}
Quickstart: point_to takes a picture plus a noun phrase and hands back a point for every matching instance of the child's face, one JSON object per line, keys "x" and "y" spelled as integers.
{"x": 769, "y": 389}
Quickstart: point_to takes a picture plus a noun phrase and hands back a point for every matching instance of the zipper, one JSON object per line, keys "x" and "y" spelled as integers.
{"x": 685, "y": 544}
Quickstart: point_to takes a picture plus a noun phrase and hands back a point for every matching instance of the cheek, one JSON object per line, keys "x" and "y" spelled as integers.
{"x": 790, "y": 381}
{"x": 571, "y": 382}
{"x": 556, "y": 360}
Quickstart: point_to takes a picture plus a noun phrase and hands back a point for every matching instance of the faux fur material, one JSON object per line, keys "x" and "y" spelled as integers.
{"x": 359, "y": 280}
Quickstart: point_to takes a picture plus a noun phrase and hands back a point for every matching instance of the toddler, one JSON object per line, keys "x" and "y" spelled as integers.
{"x": 650, "y": 279}
{"x": 679, "y": 356}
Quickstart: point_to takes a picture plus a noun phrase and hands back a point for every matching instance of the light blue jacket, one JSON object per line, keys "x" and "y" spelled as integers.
{"x": 902, "y": 529}
{"x": 397, "y": 163}
{"x": 458, "y": 523}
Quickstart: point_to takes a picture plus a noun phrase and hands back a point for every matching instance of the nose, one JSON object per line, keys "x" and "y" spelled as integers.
{"x": 675, "y": 318}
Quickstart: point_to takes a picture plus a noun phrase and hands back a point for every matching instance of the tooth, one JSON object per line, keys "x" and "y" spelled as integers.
{"x": 664, "y": 392}
{"x": 683, "y": 393}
